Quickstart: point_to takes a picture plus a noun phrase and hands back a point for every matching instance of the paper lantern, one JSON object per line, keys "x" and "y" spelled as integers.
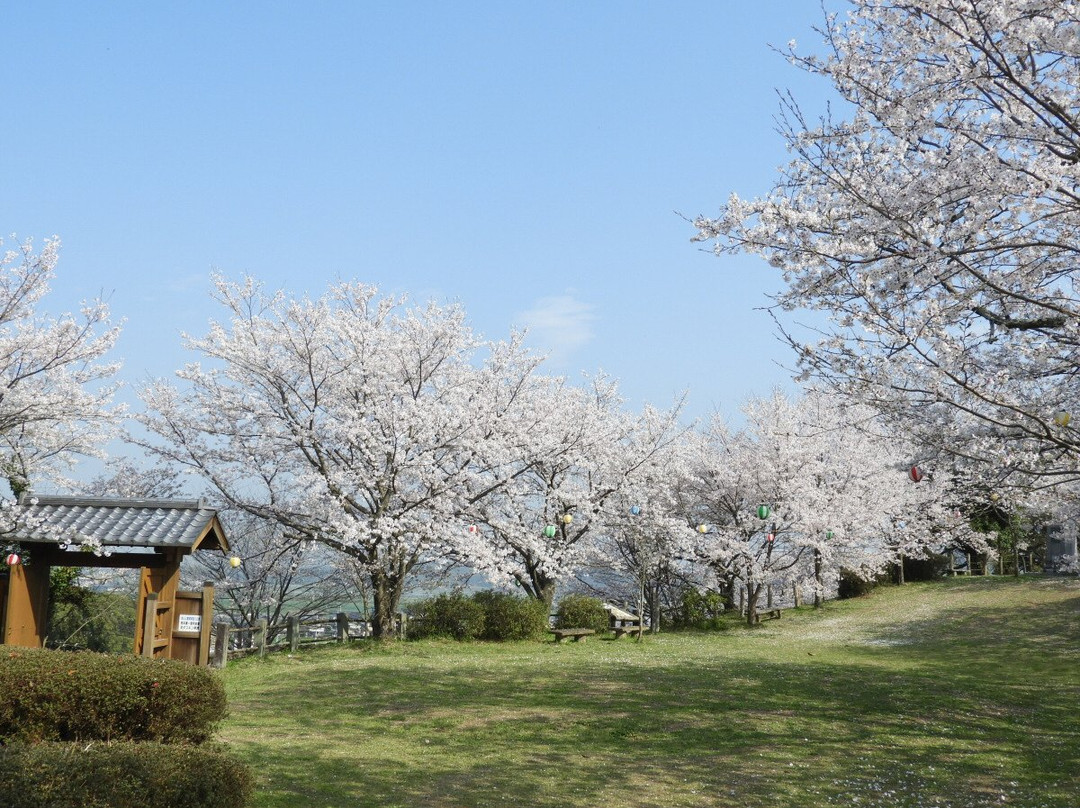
{"x": 567, "y": 518}
{"x": 635, "y": 510}
{"x": 829, "y": 534}
{"x": 12, "y": 559}
{"x": 235, "y": 562}
{"x": 472, "y": 528}
{"x": 916, "y": 474}
{"x": 995, "y": 496}
{"x": 702, "y": 528}
{"x": 549, "y": 531}
{"x": 763, "y": 511}
{"x": 769, "y": 537}
{"x": 1062, "y": 418}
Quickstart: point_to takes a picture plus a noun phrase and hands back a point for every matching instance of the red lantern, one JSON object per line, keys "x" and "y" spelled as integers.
{"x": 472, "y": 528}
{"x": 916, "y": 474}
{"x": 12, "y": 559}
{"x": 769, "y": 537}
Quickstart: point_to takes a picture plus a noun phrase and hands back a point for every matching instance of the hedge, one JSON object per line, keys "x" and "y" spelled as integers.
{"x": 581, "y": 611}
{"x": 510, "y": 617}
{"x": 122, "y": 775}
{"x": 453, "y": 615}
{"x": 86, "y": 696}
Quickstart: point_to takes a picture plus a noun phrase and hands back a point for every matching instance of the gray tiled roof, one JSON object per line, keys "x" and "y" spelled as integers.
{"x": 127, "y": 522}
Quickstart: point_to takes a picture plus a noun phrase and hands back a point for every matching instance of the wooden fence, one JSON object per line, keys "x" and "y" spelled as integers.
{"x": 232, "y": 642}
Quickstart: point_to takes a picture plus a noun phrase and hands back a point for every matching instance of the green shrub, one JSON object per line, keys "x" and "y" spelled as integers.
{"x": 700, "y": 610}
{"x": 508, "y": 617}
{"x": 454, "y": 616}
{"x": 122, "y": 775}
{"x": 85, "y": 696}
{"x": 852, "y": 584}
{"x": 581, "y": 611}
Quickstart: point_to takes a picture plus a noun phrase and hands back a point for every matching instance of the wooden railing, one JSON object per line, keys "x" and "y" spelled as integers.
{"x": 232, "y": 642}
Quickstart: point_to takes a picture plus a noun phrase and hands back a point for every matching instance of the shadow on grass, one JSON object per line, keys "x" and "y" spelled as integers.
{"x": 959, "y": 720}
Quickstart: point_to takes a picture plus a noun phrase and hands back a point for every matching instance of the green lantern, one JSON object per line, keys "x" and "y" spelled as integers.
{"x": 763, "y": 511}
{"x": 549, "y": 531}
{"x": 829, "y": 534}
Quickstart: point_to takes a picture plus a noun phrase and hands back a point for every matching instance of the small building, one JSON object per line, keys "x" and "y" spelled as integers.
{"x": 152, "y": 535}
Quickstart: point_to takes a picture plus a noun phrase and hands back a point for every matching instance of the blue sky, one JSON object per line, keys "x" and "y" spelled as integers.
{"x": 527, "y": 160}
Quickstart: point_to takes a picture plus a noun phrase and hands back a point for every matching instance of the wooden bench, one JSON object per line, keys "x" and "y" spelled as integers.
{"x": 769, "y": 614}
{"x": 577, "y": 633}
{"x": 621, "y": 630}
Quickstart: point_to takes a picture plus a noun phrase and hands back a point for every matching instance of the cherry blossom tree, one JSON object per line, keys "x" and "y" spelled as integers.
{"x": 353, "y": 421}
{"x": 935, "y": 223}
{"x": 55, "y": 390}
{"x": 571, "y": 452}
{"x": 637, "y": 545}
{"x": 810, "y": 483}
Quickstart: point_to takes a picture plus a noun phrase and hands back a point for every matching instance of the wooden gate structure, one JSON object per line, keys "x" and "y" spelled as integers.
{"x": 152, "y": 535}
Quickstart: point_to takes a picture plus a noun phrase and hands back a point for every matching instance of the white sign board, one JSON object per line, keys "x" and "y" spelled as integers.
{"x": 189, "y": 622}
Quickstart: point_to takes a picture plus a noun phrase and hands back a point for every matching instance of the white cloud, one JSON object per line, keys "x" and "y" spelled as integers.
{"x": 558, "y": 325}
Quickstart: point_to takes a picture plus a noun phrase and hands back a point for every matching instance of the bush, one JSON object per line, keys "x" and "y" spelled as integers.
{"x": 581, "y": 611}
{"x": 852, "y": 584}
{"x": 122, "y": 775}
{"x": 85, "y": 696}
{"x": 454, "y": 616}
{"x": 700, "y": 610}
{"x": 508, "y": 617}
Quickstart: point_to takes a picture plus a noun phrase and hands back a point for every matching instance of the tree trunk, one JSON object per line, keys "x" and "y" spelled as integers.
{"x": 536, "y": 584}
{"x": 819, "y": 580}
{"x": 654, "y": 609}
{"x": 386, "y": 595}
{"x": 753, "y": 591}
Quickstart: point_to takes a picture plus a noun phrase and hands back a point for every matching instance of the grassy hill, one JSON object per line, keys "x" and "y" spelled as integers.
{"x": 953, "y": 694}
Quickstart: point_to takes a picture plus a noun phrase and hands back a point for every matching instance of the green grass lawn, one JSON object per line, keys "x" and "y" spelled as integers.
{"x": 959, "y": 693}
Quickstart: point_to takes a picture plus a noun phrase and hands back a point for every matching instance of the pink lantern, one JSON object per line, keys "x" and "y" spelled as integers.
{"x": 916, "y": 474}
{"x": 472, "y": 528}
{"x": 12, "y": 559}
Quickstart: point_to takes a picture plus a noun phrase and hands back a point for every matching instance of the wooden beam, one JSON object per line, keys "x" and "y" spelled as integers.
{"x": 52, "y": 554}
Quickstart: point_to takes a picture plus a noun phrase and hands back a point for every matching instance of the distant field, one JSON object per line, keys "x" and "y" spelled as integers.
{"x": 953, "y": 694}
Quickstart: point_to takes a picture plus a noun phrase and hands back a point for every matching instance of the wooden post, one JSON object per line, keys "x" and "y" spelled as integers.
{"x": 221, "y": 645}
{"x": 207, "y": 617}
{"x": 26, "y": 608}
{"x": 742, "y": 601}
{"x": 292, "y": 632}
{"x": 149, "y": 619}
{"x": 164, "y": 581}
{"x": 342, "y": 627}
{"x": 402, "y": 626}
{"x": 260, "y": 636}
{"x": 798, "y": 599}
